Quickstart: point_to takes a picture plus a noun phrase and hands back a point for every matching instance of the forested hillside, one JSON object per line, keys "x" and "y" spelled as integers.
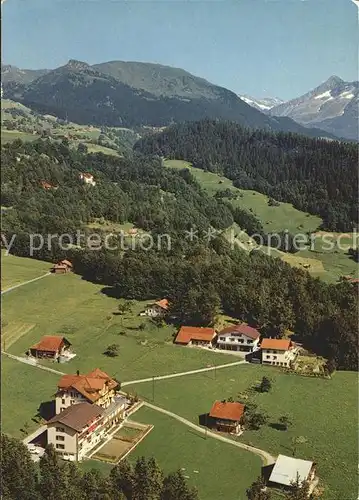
{"x": 200, "y": 275}
{"x": 316, "y": 176}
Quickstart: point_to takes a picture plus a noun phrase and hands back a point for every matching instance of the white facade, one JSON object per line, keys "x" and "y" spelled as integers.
{"x": 71, "y": 444}
{"x": 87, "y": 179}
{"x": 279, "y": 357}
{"x": 155, "y": 311}
{"x": 235, "y": 341}
{"x": 66, "y": 398}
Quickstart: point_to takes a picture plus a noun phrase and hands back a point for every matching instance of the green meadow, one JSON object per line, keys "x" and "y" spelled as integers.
{"x": 323, "y": 411}
{"x": 321, "y": 262}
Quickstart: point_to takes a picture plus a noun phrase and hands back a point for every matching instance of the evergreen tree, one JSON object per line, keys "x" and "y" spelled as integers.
{"x": 91, "y": 484}
{"x": 142, "y": 480}
{"x": 52, "y": 485}
{"x": 156, "y": 476}
{"x": 265, "y": 385}
{"x": 256, "y": 491}
{"x": 18, "y": 471}
{"x": 122, "y": 479}
{"x": 176, "y": 488}
{"x": 299, "y": 490}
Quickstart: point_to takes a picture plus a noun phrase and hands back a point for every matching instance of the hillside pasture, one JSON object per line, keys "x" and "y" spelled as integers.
{"x": 317, "y": 258}
{"x": 16, "y": 270}
{"x": 89, "y": 318}
{"x": 23, "y": 389}
{"x": 323, "y": 411}
{"x": 12, "y": 135}
{"x": 216, "y": 469}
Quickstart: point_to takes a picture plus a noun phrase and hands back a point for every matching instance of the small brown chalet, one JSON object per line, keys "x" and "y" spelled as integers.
{"x": 226, "y": 417}
{"x": 64, "y": 266}
{"x": 50, "y": 347}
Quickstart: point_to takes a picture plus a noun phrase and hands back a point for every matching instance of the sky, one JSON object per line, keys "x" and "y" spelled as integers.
{"x": 277, "y": 48}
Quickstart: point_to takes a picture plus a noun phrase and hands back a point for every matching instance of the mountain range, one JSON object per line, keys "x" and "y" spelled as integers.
{"x": 332, "y": 106}
{"x": 130, "y": 94}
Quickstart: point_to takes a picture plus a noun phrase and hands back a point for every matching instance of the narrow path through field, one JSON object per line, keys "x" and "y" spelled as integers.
{"x": 182, "y": 374}
{"x": 31, "y": 363}
{"x": 24, "y": 283}
{"x": 266, "y": 457}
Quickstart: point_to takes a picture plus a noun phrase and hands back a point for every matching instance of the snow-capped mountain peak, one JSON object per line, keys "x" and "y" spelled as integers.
{"x": 264, "y": 104}
{"x": 332, "y": 106}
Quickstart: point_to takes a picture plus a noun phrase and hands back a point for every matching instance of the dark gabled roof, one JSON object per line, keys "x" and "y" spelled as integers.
{"x": 77, "y": 416}
{"x": 246, "y": 330}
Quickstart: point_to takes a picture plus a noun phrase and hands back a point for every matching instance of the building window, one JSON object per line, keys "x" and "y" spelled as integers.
{"x": 249, "y": 341}
{"x": 274, "y": 357}
{"x": 274, "y": 352}
{"x": 63, "y": 401}
{"x": 232, "y": 339}
{"x": 267, "y": 356}
{"x": 60, "y": 446}
{"x": 222, "y": 338}
{"x": 60, "y": 438}
{"x": 60, "y": 429}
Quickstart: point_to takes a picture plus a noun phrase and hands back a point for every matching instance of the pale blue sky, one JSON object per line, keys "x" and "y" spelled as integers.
{"x": 277, "y": 48}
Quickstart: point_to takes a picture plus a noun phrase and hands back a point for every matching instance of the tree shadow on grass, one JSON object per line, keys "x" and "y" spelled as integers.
{"x": 111, "y": 291}
{"x": 277, "y": 426}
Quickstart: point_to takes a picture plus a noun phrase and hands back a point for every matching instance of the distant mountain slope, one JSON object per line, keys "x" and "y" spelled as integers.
{"x": 264, "y": 104}
{"x": 13, "y": 74}
{"x": 134, "y": 94}
{"x": 333, "y": 106}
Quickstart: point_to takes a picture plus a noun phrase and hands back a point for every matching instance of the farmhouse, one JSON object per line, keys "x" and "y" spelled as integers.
{"x": 76, "y": 430}
{"x": 50, "y": 347}
{"x": 64, "y": 266}
{"x": 190, "y": 335}
{"x": 238, "y": 338}
{"x": 87, "y": 178}
{"x": 96, "y": 387}
{"x": 279, "y": 352}
{"x": 287, "y": 470}
{"x": 158, "y": 309}
{"x": 226, "y": 417}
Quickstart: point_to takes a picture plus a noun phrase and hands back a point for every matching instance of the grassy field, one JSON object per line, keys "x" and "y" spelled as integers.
{"x": 23, "y": 389}
{"x": 15, "y": 270}
{"x": 327, "y": 264}
{"x": 273, "y": 218}
{"x": 11, "y": 135}
{"x": 223, "y": 471}
{"x": 67, "y": 305}
{"x": 323, "y": 411}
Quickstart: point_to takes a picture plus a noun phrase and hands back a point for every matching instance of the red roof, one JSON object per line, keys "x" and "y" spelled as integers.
{"x": 279, "y": 344}
{"x": 162, "y": 303}
{"x": 88, "y": 385}
{"x": 188, "y": 333}
{"x": 227, "y": 411}
{"x": 65, "y": 263}
{"x": 49, "y": 343}
{"x": 243, "y": 329}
